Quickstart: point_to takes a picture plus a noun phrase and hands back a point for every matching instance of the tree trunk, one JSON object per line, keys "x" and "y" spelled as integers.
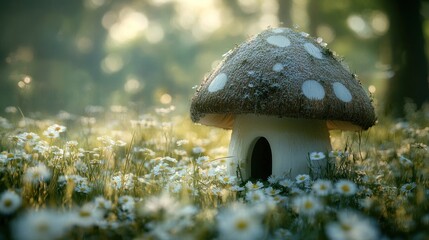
{"x": 409, "y": 62}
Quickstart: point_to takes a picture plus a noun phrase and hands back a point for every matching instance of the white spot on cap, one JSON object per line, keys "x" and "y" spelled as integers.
{"x": 277, "y": 30}
{"x": 313, "y": 90}
{"x": 277, "y": 67}
{"x": 313, "y": 50}
{"x": 218, "y": 82}
{"x": 341, "y": 92}
{"x": 278, "y": 40}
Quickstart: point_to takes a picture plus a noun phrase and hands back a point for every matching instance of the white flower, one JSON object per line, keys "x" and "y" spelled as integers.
{"x": 29, "y": 137}
{"x": 51, "y": 134}
{"x": 273, "y": 179}
{"x": 43, "y": 224}
{"x": 86, "y": 216}
{"x": 302, "y": 178}
{"x": 163, "y": 204}
{"x": 351, "y": 226}
{"x": 39, "y": 173}
{"x": 316, "y": 156}
{"x": 255, "y": 196}
{"x": 57, "y": 128}
{"x": 226, "y": 179}
{"x": 346, "y": 187}
{"x": 182, "y": 142}
{"x": 336, "y": 153}
{"x": 271, "y": 191}
{"x": 9, "y": 202}
{"x": 322, "y": 187}
{"x": 287, "y": 183}
{"x": 254, "y": 186}
{"x": 102, "y": 203}
{"x": 408, "y": 187}
{"x": 307, "y": 205}
{"x": 198, "y": 150}
{"x": 239, "y": 222}
{"x": 123, "y": 181}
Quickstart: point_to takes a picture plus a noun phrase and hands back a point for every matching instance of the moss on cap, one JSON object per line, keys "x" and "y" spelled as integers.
{"x": 284, "y": 73}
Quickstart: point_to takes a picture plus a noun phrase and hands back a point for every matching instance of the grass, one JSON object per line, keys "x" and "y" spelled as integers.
{"x": 127, "y": 175}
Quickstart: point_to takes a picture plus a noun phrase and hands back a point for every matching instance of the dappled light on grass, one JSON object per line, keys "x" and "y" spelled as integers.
{"x": 121, "y": 174}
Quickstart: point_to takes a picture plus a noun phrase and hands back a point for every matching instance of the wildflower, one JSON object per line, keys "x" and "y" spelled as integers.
{"x": 351, "y": 226}
{"x": 239, "y": 222}
{"x": 336, "y": 153}
{"x": 9, "y": 202}
{"x": 316, "y": 156}
{"x": 322, "y": 187}
{"x": 346, "y": 187}
{"x": 307, "y": 205}
{"x": 57, "y": 128}
{"x": 102, "y": 203}
{"x": 287, "y": 183}
{"x": 408, "y": 187}
{"x": 255, "y": 196}
{"x": 160, "y": 205}
{"x": 302, "y": 178}
{"x": 202, "y": 159}
{"x": 123, "y": 181}
{"x": 405, "y": 161}
{"x": 254, "y": 186}
{"x": 86, "y": 216}
{"x": 198, "y": 150}
{"x": 39, "y": 173}
{"x": 51, "y": 134}
{"x": 43, "y": 224}
{"x": 271, "y": 191}
{"x": 5, "y": 124}
{"x": 273, "y": 179}
{"x": 226, "y": 179}
{"x": 29, "y": 138}
{"x": 182, "y": 142}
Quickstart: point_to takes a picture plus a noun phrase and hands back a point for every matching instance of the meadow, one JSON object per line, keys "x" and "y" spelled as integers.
{"x": 120, "y": 174}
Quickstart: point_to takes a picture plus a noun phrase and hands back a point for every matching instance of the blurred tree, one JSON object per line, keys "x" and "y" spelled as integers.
{"x": 409, "y": 61}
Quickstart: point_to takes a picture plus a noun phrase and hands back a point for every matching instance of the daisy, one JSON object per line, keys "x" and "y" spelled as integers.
{"x": 254, "y": 186}
{"x": 271, "y": 191}
{"x": 255, "y": 196}
{"x": 57, "y": 128}
{"x": 239, "y": 222}
{"x": 51, "y": 134}
{"x": 39, "y": 173}
{"x": 322, "y": 187}
{"x": 316, "y": 156}
{"x": 307, "y": 205}
{"x": 86, "y": 216}
{"x": 351, "y": 226}
{"x": 43, "y": 224}
{"x": 287, "y": 183}
{"x": 346, "y": 187}
{"x": 9, "y": 202}
{"x": 408, "y": 187}
{"x": 302, "y": 178}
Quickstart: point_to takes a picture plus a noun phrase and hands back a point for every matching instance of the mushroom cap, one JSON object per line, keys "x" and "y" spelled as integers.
{"x": 285, "y": 73}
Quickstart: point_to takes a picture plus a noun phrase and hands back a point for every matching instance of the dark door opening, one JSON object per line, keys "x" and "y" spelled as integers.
{"x": 261, "y": 160}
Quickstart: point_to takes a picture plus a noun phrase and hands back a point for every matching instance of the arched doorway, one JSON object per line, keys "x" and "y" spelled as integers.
{"x": 261, "y": 161}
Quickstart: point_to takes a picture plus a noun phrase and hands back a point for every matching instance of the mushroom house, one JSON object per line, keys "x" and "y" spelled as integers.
{"x": 280, "y": 92}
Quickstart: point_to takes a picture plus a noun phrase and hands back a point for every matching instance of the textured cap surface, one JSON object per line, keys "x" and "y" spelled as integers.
{"x": 285, "y": 73}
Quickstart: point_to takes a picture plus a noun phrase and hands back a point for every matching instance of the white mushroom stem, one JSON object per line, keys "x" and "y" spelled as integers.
{"x": 290, "y": 140}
